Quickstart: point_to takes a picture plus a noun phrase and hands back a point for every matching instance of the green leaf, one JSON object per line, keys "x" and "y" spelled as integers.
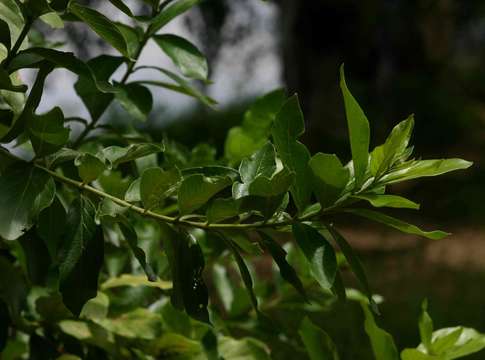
{"x": 13, "y": 288}
{"x": 397, "y": 224}
{"x": 382, "y": 342}
{"x": 156, "y": 185}
{"x": 279, "y": 256}
{"x": 36, "y": 257}
{"x": 221, "y": 209}
{"x": 196, "y": 190}
{"x": 82, "y": 256}
{"x": 243, "y": 141}
{"x": 329, "y": 178}
{"x": 278, "y": 184}
{"x": 131, "y": 238}
{"x": 393, "y": 201}
{"x": 354, "y": 263}
{"x": 117, "y": 155}
{"x": 53, "y": 20}
{"x": 190, "y": 61}
{"x": 243, "y": 349}
{"x": 5, "y": 38}
{"x": 261, "y": 163}
{"x": 132, "y": 38}
{"x": 133, "y": 193}
{"x": 393, "y": 148}
{"x": 121, "y": 6}
{"x": 103, "y": 68}
{"x": 359, "y": 132}
{"x": 47, "y": 132}
{"x": 177, "y": 8}
{"x": 413, "y": 354}
{"x": 11, "y": 14}
{"x": 20, "y": 188}
{"x": 425, "y": 324}
{"x": 288, "y": 127}
{"x": 140, "y": 324}
{"x": 424, "y": 168}
{"x": 469, "y": 341}
{"x": 243, "y": 270}
{"x": 318, "y": 252}
{"x": 6, "y": 82}
{"x": 89, "y": 167}
{"x": 136, "y": 99}
{"x": 317, "y": 342}
{"x": 96, "y": 308}
{"x": 101, "y": 25}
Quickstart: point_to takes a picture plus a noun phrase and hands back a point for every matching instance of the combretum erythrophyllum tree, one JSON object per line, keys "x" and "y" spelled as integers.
{"x": 110, "y": 240}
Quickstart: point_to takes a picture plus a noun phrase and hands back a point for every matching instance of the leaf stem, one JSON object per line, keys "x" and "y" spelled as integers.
{"x": 18, "y": 43}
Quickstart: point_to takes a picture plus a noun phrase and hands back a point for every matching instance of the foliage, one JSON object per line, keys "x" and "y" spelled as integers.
{"x": 110, "y": 242}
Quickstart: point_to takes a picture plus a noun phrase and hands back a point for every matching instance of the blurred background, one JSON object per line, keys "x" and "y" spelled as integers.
{"x": 425, "y": 57}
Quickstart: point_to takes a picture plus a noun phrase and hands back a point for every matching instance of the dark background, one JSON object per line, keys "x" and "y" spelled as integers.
{"x": 401, "y": 56}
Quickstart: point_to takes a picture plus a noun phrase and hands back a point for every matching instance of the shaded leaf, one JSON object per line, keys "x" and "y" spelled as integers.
{"x": 318, "y": 344}
{"x": 196, "y": 190}
{"x": 117, "y": 155}
{"x": 83, "y": 252}
{"x": 89, "y": 167}
{"x": 318, "y": 252}
{"x": 177, "y": 8}
{"x": 156, "y": 185}
{"x": 383, "y": 200}
{"x": 51, "y": 227}
{"x": 136, "y": 99}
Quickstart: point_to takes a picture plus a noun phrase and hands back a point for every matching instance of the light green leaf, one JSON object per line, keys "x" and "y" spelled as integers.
{"x": 317, "y": 342}
{"x": 359, "y": 132}
{"x": 12, "y": 15}
{"x": 136, "y": 99}
{"x": 53, "y": 20}
{"x": 318, "y": 252}
{"x": 424, "y": 168}
{"x": 156, "y": 185}
{"x": 196, "y": 190}
{"x": 383, "y": 200}
{"x": 177, "y": 8}
{"x": 96, "y": 308}
{"x": 329, "y": 178}
{"x": 134, "y": 281}
{"x": 393, "y": 148}
{"x": 7, "y": 84}
{"x": 397, "y": 224}
{"x": 82, "y": 256}
{"x": 288, "y": 127}
{"x": 137, "y": 324}
{"x": 133, "y": 193}
{"x": 47, "y": 132}
{"x": 117, "y": 155}
{"x": 382, "y": 342}
{"x": 446, "y": 342}
{"x": 20, "y": 189}
{"x": 425, "y": 324}
{"x": 261, "y": 163}
{"x": 191, "y": 62}
{"x": 243, "y": 349}
{"x": 101, "y": 25}
{"x": 278, "y": 184}
{"x": 89, "y": 167}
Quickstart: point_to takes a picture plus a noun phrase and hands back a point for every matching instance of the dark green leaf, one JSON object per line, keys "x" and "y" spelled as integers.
{"x": 317, "y": 342}
{"x": 82, "y": 256}
{"x": 244, "y": 271}
{"x": 51, "y": 227}
{"x": 101, "y": 25}
{"x": 353, "y": 261}
{"x": 136, "y": 99}
{"x": 103, "y": 67}
{"x": 329, "y": 178}
{"x": 5, "y": 38}
{"x": 184, "y": 55}
{"x": 177, "y": 8}
{"x": 286, "y": 270}
{"x": 117, "y": 155}
{"x": 398, "y": 224}
{"x": 20, "y": 188}
{"x": 359, "y": 131}
{"x": 288, "y": 127}
{"x": 122, "y": 6}
{"x": 318, "y": 252}
{"x": 11, "y": 14}
{"x": 262, "y": 163}
{"x": 89, "y": 167}
{"x": 47, "y": 132}
{"x": 196, "y": 190}
{"x": 156, "y": 185}
{"x": 132, "y": 38}
{"x": 4, "y": 323}
{"x": 37, "y": 257}
{"x": 13, "y": 288}
{"x": 132, "y": 240}
{"x": 221, "y": 209}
